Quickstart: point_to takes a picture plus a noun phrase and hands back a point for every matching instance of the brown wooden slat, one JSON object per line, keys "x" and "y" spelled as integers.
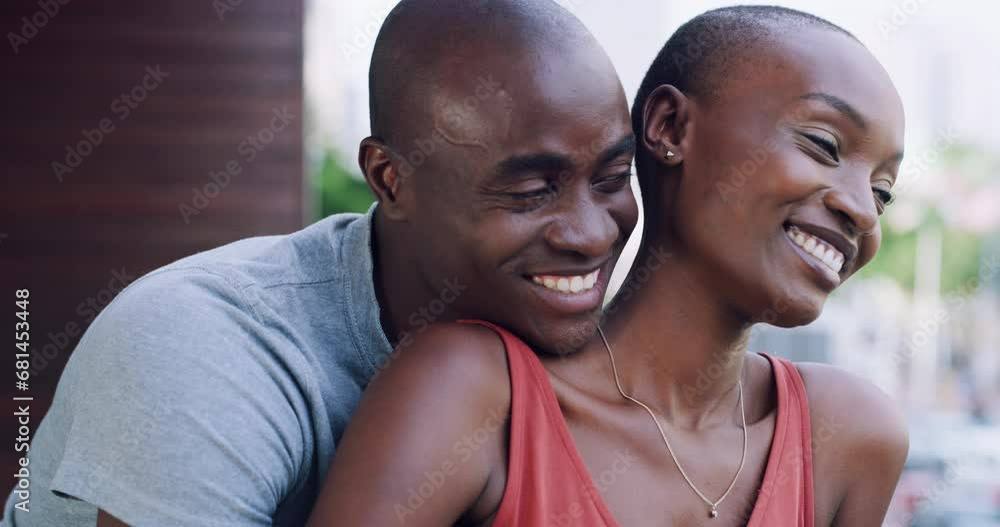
{"x": 119, "y": 207}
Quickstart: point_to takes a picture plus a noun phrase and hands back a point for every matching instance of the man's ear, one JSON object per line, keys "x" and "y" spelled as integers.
{"x": 385, "y": 174}
{"x": 664, "y": 124}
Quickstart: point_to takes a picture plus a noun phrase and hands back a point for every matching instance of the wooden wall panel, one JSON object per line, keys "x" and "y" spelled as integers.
{"x": 119, "y": 209}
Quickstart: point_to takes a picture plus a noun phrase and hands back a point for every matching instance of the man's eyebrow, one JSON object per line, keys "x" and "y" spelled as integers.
{"x": 625, "y": 145}
{"x": 541, "y": 162}
{"x": 551, "y": 162}
{"x": 840, "y": 105}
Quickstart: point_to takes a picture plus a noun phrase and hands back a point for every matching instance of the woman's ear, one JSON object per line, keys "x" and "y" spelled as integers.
{"x": 385, "y": 176}
{"x": 665, "y": 119}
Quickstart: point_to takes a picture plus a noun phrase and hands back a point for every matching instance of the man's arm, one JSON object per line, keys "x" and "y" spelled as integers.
{"x": 414, "y": 453}
{"x": 860, "y": 443}
{"x": 180, "y": 413}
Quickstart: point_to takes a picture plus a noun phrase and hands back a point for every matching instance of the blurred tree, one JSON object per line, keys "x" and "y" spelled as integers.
{"x": 339, "y": 190}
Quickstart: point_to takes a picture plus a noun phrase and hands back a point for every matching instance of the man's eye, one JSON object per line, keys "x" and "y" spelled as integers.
{"x": 538, "y": 192}
{"x": 613, "y": 183}
{"x": 828, "y": 146}
{"x": 531, "y": 197}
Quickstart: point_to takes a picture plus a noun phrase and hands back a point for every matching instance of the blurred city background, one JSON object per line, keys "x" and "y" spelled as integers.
{"x": 922, "y": 321}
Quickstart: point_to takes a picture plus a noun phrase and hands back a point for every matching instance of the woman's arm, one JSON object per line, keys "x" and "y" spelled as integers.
{"x": 860, "y": 442}
{"x": 425, "y": 443}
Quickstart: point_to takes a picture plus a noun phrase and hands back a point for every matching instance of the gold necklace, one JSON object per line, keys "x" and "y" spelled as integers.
{"x": 714, "y": 505}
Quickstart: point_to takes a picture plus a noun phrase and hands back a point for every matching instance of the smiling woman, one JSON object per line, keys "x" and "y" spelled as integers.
{"x": 764, "y": 167}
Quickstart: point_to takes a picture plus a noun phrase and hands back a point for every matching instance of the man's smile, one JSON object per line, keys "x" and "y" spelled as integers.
{"x": 570, "y": 291}
{"x": 568, "y": 283}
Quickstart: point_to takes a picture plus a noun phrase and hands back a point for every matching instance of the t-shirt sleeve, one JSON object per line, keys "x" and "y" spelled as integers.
{"x": 181, "y": 413}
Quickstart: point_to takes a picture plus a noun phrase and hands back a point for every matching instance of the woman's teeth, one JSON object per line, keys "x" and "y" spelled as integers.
{"x": 568, "y": 284}
{"x": 821, "y": 250}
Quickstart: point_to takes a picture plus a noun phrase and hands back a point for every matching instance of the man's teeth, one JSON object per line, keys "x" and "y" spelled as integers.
{"x": 818, "y": 248}
{"x": 568, "y": 284}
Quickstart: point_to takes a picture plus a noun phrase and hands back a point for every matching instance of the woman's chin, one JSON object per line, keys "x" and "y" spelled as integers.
{"x": 794, "y": 320}
{"x": 792, "y": 310}
{"x": 800, "y": 314}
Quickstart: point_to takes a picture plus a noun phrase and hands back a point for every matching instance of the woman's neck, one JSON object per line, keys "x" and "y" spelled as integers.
{"x": 677, "y": 346}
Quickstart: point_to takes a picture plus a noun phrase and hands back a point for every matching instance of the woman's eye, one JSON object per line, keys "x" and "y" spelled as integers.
{"x": 883, "y": 197}
{"x": 828, "y": 146}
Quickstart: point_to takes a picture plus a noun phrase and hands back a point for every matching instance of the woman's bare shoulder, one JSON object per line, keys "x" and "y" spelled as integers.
{"x": 860, "y": 441}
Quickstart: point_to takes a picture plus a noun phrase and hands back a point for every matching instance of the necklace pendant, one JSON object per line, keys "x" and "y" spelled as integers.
{"x": 714, "y": 513}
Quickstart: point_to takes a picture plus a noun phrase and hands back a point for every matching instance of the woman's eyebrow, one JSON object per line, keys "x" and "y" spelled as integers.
{"x": 840, "y": 105}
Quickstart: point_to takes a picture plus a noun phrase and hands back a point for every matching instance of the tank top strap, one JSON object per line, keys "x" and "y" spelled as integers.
{"x": 786, "y": 493}
{"x": 547, "y": 481}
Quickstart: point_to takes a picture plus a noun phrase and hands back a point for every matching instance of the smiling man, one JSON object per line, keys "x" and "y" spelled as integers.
{"x": 214, "y": 391}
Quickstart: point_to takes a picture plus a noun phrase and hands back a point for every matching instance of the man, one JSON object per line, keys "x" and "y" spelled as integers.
{"x": 213, "y": 391}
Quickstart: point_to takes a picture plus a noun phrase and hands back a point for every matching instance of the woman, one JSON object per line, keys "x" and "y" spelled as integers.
{"x": 769, "y": 144}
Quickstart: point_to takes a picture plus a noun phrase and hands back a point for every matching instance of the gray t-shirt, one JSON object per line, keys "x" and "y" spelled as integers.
{"x": 213, "y": 391}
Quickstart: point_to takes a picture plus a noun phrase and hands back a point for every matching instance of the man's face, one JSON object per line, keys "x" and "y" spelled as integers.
{"x": 787, "y": 173}
{"x": 524, "y": 198}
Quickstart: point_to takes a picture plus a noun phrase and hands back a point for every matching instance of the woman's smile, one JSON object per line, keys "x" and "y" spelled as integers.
{"x": 824, "y": 252}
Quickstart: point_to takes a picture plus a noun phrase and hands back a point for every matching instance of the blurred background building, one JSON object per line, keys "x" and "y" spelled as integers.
{"x": 921, "y": 321}
{"x": 121, "y": 123}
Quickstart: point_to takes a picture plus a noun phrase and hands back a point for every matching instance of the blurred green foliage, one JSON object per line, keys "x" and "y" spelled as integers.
{"x": 338, "y": 189}
{"x": 960, "y": 258}
{"x": 961, "y": 251}
{"x": 895, "y": 259}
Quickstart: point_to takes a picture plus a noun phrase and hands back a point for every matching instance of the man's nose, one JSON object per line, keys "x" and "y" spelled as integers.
{"x": 583, "y": 227}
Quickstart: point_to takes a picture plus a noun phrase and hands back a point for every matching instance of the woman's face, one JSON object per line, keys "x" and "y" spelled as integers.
{"x": 785, "y": 174}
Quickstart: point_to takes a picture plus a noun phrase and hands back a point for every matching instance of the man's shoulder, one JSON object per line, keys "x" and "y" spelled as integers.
{"x": 247, "y": 273}
{"x": 249, "y": 291}
{"x": 313, "y": 254}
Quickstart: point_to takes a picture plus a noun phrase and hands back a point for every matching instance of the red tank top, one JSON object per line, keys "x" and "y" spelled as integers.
{"x": 547, "y": 481}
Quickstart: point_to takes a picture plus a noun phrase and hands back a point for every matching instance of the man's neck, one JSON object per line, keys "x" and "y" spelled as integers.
{"x": 400, "y": 288}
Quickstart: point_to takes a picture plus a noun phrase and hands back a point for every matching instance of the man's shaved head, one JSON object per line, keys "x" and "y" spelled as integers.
{"x": 424, "y": 46}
